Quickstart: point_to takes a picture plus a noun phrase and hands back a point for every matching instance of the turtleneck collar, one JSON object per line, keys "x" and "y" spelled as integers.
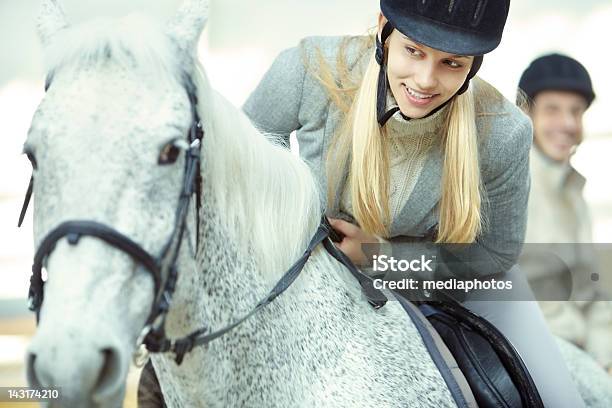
{"x": 397, "y": 125}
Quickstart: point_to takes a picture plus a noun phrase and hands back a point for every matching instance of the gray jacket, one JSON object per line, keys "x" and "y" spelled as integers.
{"x": 289, "y": 99}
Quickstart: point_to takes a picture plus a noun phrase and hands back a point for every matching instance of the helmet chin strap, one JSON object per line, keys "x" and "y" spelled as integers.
{"x": 381, "y": 94}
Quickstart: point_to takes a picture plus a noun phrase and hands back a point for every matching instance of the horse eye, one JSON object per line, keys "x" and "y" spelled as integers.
{"x": 169, "y": 154}
{"x": 32, "y": 159}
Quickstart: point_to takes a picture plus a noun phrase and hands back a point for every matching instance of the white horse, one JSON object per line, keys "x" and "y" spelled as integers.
{"x": 117, "y": 101}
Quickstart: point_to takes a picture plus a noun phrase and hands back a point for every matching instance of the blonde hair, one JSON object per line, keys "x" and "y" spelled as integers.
{"x": 361, "y": 143}
{"x": 523, "y": 101}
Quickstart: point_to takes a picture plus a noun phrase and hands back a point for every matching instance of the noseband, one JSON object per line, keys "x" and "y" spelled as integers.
{"x": 163, "y": 267}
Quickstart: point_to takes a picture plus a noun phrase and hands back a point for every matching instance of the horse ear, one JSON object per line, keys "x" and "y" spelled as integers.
{"x": 187, "y": 25}
{"x": 51, "y": 19}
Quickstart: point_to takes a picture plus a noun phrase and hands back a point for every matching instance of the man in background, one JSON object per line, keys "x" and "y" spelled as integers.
{"x": 555, "y": 91}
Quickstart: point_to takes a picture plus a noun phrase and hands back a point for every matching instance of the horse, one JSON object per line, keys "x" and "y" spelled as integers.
{"x": 108, "y": 145}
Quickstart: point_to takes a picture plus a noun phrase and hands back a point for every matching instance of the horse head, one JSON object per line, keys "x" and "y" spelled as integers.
{"x": 108, "y": 146}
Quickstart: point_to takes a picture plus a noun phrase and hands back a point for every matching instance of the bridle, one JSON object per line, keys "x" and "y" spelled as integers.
{"x": 163, "y": 268}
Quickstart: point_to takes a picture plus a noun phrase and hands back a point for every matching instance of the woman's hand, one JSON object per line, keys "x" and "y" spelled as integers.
{"x": 353, "y": 238}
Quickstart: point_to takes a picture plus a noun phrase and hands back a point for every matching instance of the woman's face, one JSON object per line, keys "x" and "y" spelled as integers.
{"x": 422, "y": 78}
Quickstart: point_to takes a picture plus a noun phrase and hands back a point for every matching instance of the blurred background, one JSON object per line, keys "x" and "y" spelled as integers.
{"x": 239, "y": 44}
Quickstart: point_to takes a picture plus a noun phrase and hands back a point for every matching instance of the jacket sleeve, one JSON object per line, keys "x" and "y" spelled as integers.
{"x": 506, "y": 184}
{"x": 274, "y": 105}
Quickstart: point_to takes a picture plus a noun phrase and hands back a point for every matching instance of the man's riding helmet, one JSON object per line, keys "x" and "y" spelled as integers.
{"x": 557, "y": 72}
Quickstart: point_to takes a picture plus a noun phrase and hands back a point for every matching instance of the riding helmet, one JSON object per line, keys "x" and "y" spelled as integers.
{"x": 557, "y": 72}
{"x": 462, "y": 27}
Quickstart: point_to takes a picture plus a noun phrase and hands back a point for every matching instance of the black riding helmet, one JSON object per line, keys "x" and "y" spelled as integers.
{"x": 463, "y": 27}
{"x": 557, "y": 72}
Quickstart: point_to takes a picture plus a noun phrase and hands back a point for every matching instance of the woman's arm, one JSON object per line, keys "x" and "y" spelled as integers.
{"x": 506, "y": 192}
{"x": 274, "y": 105}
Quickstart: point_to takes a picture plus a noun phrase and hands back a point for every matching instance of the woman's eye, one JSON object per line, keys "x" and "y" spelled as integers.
{"x": 453, "y": 64}
{"x": 32, "y": 159}
{"x": 412, "y": 51}
{"x": 169, "y": 154}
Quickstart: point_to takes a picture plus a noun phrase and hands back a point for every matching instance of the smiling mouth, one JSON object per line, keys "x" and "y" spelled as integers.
{"x": 419, "y": 95}
{"x": 416, "y": 98}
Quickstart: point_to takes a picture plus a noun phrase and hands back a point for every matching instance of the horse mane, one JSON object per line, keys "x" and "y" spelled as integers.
{"x": 135, "y": 42}
{"x": 268, "y": 196}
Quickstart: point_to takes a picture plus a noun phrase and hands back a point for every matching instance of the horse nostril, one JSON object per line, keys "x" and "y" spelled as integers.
{"x": 31, "y": 376}
{"x": 110, "y": 377}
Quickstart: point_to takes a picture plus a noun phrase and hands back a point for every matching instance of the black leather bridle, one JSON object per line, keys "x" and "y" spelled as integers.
{"x": 163, "y": 267}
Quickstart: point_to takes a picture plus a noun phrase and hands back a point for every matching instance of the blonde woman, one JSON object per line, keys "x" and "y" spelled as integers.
{"x": 408, "y": 143}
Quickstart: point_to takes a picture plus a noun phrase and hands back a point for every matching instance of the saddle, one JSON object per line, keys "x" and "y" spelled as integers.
{"x": 494, "y": 370}
{"x": 479, "y": 364}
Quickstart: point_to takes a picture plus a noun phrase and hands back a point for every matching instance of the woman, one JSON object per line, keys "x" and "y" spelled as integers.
{"x": 433, "y": 154}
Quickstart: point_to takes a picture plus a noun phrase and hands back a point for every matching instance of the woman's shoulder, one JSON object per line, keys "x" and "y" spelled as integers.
{"x": 505, "y": 131}
{"x": 329, "y": 65}
{"x": 313, "y": 51}
{"x": 332, "y": 49}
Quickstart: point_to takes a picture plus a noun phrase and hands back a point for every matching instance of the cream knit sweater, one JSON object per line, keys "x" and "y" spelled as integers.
{"x": 408, "y": 143}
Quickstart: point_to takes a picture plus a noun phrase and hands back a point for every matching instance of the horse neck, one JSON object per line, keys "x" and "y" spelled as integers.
{"x": 260, "y": 207}
{"x": 266, "y": 197}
